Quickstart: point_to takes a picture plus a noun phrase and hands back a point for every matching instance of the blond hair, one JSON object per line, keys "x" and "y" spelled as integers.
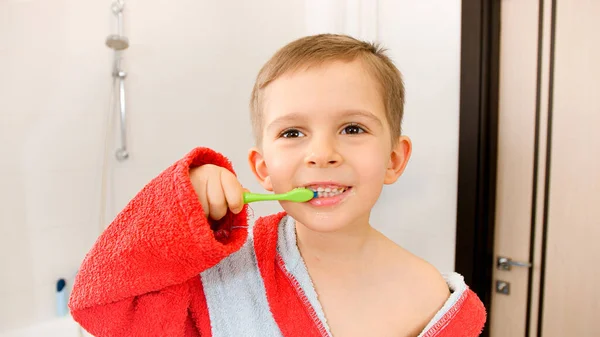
{"x": 318, "y": 49}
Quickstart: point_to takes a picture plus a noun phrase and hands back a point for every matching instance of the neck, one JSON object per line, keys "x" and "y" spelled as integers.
{"x": 345, "y": 245}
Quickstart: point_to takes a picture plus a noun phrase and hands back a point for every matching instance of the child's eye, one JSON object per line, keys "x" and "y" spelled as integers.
{"x": 352, "y": 129}
{"x": 291, "y": 133}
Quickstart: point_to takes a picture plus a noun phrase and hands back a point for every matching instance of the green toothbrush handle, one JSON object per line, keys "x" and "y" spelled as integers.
{"x": 252, "y": 197}
{"x": 295, "y": 195}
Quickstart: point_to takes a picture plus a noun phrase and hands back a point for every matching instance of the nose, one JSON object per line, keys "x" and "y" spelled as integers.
{"x": 323, "y": 153}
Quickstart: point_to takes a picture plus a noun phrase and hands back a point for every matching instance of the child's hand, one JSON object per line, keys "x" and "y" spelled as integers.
{"x": 218, "y": 190}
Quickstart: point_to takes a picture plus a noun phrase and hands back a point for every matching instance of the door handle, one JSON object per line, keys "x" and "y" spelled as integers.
{"x": 505, "y": 263}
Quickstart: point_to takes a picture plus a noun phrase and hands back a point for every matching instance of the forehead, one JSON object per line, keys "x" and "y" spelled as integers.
{"x": 324, "y": 90}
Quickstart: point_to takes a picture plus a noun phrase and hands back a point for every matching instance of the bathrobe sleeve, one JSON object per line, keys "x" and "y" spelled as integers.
{"x": 142, "y": 273}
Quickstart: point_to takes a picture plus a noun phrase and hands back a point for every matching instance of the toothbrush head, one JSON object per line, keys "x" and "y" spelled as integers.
{"x": 300, "y": 194}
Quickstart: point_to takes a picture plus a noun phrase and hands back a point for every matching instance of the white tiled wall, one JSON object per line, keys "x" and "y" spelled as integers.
{"x": 191, "y": 66}
{"x": 53, "y": 93}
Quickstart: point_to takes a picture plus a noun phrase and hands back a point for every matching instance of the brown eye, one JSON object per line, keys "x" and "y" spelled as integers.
{"x": 291, "y": 133}
{"x": 352, "y": 130}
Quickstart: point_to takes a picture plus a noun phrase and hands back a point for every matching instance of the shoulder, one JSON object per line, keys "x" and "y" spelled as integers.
{"x": 422, "y": 290}
{"x": 423, "y": 280}
{"x": 462, "y": 315}
{"x": 424, "y": 285}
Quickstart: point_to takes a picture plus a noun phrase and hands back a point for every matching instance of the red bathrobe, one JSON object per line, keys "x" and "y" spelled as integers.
{"x": 142, "y": 276}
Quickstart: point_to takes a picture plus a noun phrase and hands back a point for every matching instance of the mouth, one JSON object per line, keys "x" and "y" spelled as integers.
{"x": 328, "y": 194}
{"x": 327, "y": 191}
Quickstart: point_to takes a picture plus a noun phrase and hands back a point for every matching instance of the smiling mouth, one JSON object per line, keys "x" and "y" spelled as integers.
{"x": 328, "y": 191}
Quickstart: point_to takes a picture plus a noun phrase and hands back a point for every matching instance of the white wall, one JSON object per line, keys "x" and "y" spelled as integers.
{"x": 191, "y": 66}
{"x": 419, "y": 212}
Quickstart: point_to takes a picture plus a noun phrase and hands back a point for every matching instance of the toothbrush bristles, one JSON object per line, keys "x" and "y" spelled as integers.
{"x": 315, "y": 194}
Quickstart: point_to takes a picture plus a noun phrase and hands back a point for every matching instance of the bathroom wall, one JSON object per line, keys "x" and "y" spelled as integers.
{"x": 191, "y": 65}
{"x": 53, "y": 98}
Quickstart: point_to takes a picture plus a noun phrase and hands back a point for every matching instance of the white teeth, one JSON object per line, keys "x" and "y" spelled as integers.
{"x": 328, "y": 191}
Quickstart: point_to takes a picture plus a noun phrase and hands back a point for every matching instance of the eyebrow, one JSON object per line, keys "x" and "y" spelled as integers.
{"x": 299, "y": 117}
{"x": 363, "y": 113}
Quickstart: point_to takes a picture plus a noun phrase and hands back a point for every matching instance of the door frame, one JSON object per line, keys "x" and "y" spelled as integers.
{"x": 478, "y": 139}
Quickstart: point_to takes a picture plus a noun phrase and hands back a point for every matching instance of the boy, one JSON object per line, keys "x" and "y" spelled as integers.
{"x": 180, "y": 260}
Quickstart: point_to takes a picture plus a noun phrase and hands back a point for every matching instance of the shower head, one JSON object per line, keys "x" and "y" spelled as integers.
{"x": 117, "y": 42}
{"x": 117, "y": 6}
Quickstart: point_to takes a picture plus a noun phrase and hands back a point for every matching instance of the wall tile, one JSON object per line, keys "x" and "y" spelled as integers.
{"x": 57, "y": 252}
{"x": 16, "y": 308}
{"x": 56, "y": 198}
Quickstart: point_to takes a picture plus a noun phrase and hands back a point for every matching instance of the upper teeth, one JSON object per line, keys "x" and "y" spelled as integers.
{"x": 323, "y": 192}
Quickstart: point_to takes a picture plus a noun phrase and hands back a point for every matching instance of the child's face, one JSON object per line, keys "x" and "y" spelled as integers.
{"x": 325, "y": 127}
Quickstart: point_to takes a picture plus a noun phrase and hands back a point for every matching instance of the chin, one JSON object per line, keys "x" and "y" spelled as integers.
{"x": 322, "y": 220}
{"x": 322, "y": 227}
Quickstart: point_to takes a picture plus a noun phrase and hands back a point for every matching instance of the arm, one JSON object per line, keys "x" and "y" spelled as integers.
{"x": 144, "y": 262}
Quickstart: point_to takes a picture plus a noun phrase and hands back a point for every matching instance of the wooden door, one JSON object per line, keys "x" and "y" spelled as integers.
{"x": 548, "y": 182}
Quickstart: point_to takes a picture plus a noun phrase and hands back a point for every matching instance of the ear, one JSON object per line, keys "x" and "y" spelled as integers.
{"x": 398, "y": 160}
{"x": 259, "y": 168}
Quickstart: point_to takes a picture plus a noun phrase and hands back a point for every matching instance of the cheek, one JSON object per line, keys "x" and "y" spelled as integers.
{"x": 371, "y": 178}
{"x": 282, "y": 167}
{"x": 371, "y": 172}
{"x": 370, "y": 164}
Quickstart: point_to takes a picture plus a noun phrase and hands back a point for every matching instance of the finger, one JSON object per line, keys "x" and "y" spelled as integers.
{"x": 233, "y": 191}
{"x": 200, "y": 188}
{"x": 216, "y": 198}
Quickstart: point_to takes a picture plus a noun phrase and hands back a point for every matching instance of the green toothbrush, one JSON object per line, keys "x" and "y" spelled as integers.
{"x": 297, "y": 195}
